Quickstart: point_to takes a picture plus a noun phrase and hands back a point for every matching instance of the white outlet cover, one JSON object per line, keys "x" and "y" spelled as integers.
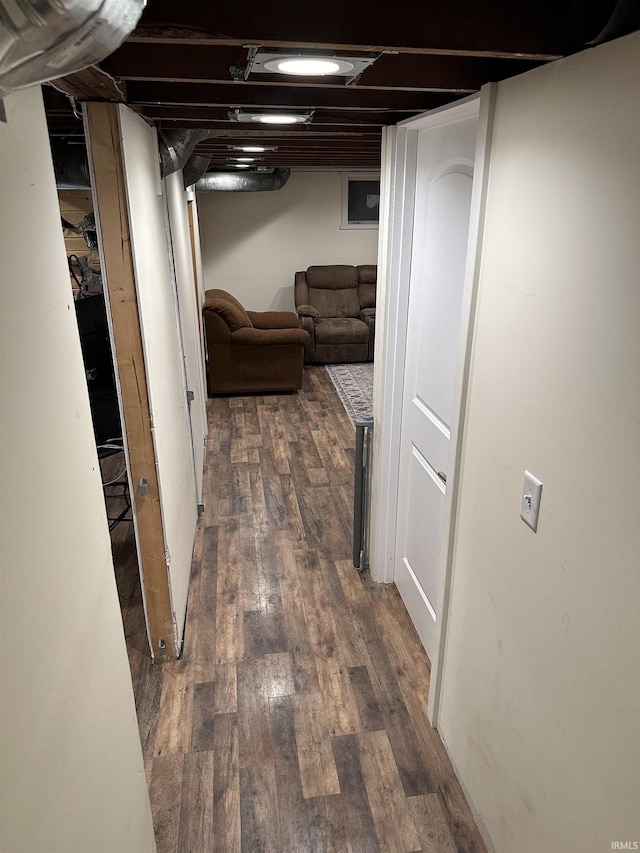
{"x": 530, "y": 502}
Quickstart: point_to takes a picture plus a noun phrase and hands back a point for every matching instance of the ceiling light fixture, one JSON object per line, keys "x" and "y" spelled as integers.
{"x": 252, "y": 149}
{"x": 282, "y": 118}
{"x": 271, "y": 118}
{"x": 241, "y": 166}
{"x": 309, "y": 66}
{"x": 261, "y": 61}
{"x": 245, "y": 159}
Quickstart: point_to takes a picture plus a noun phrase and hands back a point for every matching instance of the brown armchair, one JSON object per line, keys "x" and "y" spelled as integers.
{"x": 336, "y": 306}
{"x": 250, "y": 350}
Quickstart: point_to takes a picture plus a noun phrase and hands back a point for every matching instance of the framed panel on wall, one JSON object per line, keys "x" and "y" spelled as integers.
{"x": 360, "y": 200}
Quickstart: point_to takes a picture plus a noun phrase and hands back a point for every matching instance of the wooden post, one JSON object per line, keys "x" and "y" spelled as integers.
{"x": 102, "y": 127}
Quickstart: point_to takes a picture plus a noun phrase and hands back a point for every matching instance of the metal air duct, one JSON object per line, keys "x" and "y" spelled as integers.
{"x": 42, "y": 40}
{"x": 176, "y": 147}
{"x": 194, "y": 169}
{"x": 246, "y": 182}
{"x": 71, "y": 166}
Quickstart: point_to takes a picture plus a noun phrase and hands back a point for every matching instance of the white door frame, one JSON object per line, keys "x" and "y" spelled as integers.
{"x": 400, "y": 173}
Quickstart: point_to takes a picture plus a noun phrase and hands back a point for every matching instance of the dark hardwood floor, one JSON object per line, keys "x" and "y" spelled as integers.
{"x": 296, "y": 719}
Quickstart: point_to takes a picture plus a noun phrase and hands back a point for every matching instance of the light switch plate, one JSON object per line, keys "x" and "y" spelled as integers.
{"x": 530, "y": 503}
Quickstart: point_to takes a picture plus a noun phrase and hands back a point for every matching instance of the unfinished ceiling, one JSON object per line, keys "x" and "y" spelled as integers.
{"x": 188, "y": 65}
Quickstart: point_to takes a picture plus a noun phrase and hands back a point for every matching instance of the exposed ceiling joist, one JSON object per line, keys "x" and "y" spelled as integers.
{"x": 188, "y": 66}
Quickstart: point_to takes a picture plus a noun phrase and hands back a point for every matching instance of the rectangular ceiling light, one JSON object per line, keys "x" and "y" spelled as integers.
{"x": 309, "y": 64}
{"x": 282, "y": 117}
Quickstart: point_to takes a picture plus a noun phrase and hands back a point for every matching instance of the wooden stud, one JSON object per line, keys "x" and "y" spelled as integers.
{"x": 102, "y": 127}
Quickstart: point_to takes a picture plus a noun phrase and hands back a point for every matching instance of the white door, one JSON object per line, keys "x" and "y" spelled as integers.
{"x": 444, "y": 178}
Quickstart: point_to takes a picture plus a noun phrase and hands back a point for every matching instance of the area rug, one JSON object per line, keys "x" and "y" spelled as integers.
{"x": 354, "y": 384}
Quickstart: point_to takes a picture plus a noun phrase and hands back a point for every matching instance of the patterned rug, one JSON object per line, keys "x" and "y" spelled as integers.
{"x": 354, "y": 384}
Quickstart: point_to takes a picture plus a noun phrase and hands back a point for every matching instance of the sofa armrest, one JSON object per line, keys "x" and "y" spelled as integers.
{"x": 273, "y": 319}
{"x": 308, "y": 311}
{"x": 367, "y": 314}
{"x": 269, "y": 337}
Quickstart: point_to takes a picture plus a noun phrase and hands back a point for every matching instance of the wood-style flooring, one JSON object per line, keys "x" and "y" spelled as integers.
{"x": 296, "y": 719}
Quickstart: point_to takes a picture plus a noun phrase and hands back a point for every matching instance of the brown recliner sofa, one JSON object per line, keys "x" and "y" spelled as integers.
{"x": 336, "y": 305}
{"x": 251, "y": 351}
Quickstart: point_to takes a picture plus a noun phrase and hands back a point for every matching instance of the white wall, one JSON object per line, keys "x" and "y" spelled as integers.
{"x": 540, "y": 693}
{"x": 72, "y": 771}
{"x": 157, "y": 301}
{"x": 253, "y": 243}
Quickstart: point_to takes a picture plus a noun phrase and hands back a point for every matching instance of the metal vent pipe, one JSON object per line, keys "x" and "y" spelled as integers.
{"x": 42, "y": 40}
{"x": 71, "y": 166}
{"x": 176, "y": 147}
{"x": 248, "y": 182}
{"x": 194, "y": 169}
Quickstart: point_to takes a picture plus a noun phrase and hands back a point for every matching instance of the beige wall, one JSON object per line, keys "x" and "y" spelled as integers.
{"x": 71, "y": 763}
{"x": 540, "y": 692}
{"x": 253, "y": 243}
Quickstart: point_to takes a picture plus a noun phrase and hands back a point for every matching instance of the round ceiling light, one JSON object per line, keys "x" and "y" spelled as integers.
{"x": 312, "y": 66}
{"x": 277, "y": 118}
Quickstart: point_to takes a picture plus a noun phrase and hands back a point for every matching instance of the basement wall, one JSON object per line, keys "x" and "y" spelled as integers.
{"x": 72, "y": 772}
{"x": 253, "y": 243}
{"x": 540, "y": 701}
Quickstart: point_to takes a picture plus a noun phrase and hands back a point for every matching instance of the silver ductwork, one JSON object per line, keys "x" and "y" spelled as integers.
{"x": 176, "y": 147}
{"x": 71, "y": 166}
{"x": 194, "y": 169}
{"x": 247, "y": 182}
{"x": 42, "y": 40}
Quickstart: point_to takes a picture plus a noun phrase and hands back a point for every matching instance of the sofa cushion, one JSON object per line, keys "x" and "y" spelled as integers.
{"x": 367, "y": 273}
{"x": 332, "y": 277}
{"x": 342, "y": 331}
{"x": 227, "y": 306}
{"x": 335, "y": 303}
{"x": 367, "y": 295}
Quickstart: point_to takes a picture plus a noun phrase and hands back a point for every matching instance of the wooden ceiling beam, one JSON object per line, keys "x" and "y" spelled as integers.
{"x": 91, "y": 84}
{"x": 249, "y": 96}
{"x": 216, "y": 118}
{"x": 536, "y": 29}
{"x": 410, "y": 72}
{"x": 226, "y": 148}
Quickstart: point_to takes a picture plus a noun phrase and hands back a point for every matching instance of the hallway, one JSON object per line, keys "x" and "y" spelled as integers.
{"x": 296, "y": 719}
